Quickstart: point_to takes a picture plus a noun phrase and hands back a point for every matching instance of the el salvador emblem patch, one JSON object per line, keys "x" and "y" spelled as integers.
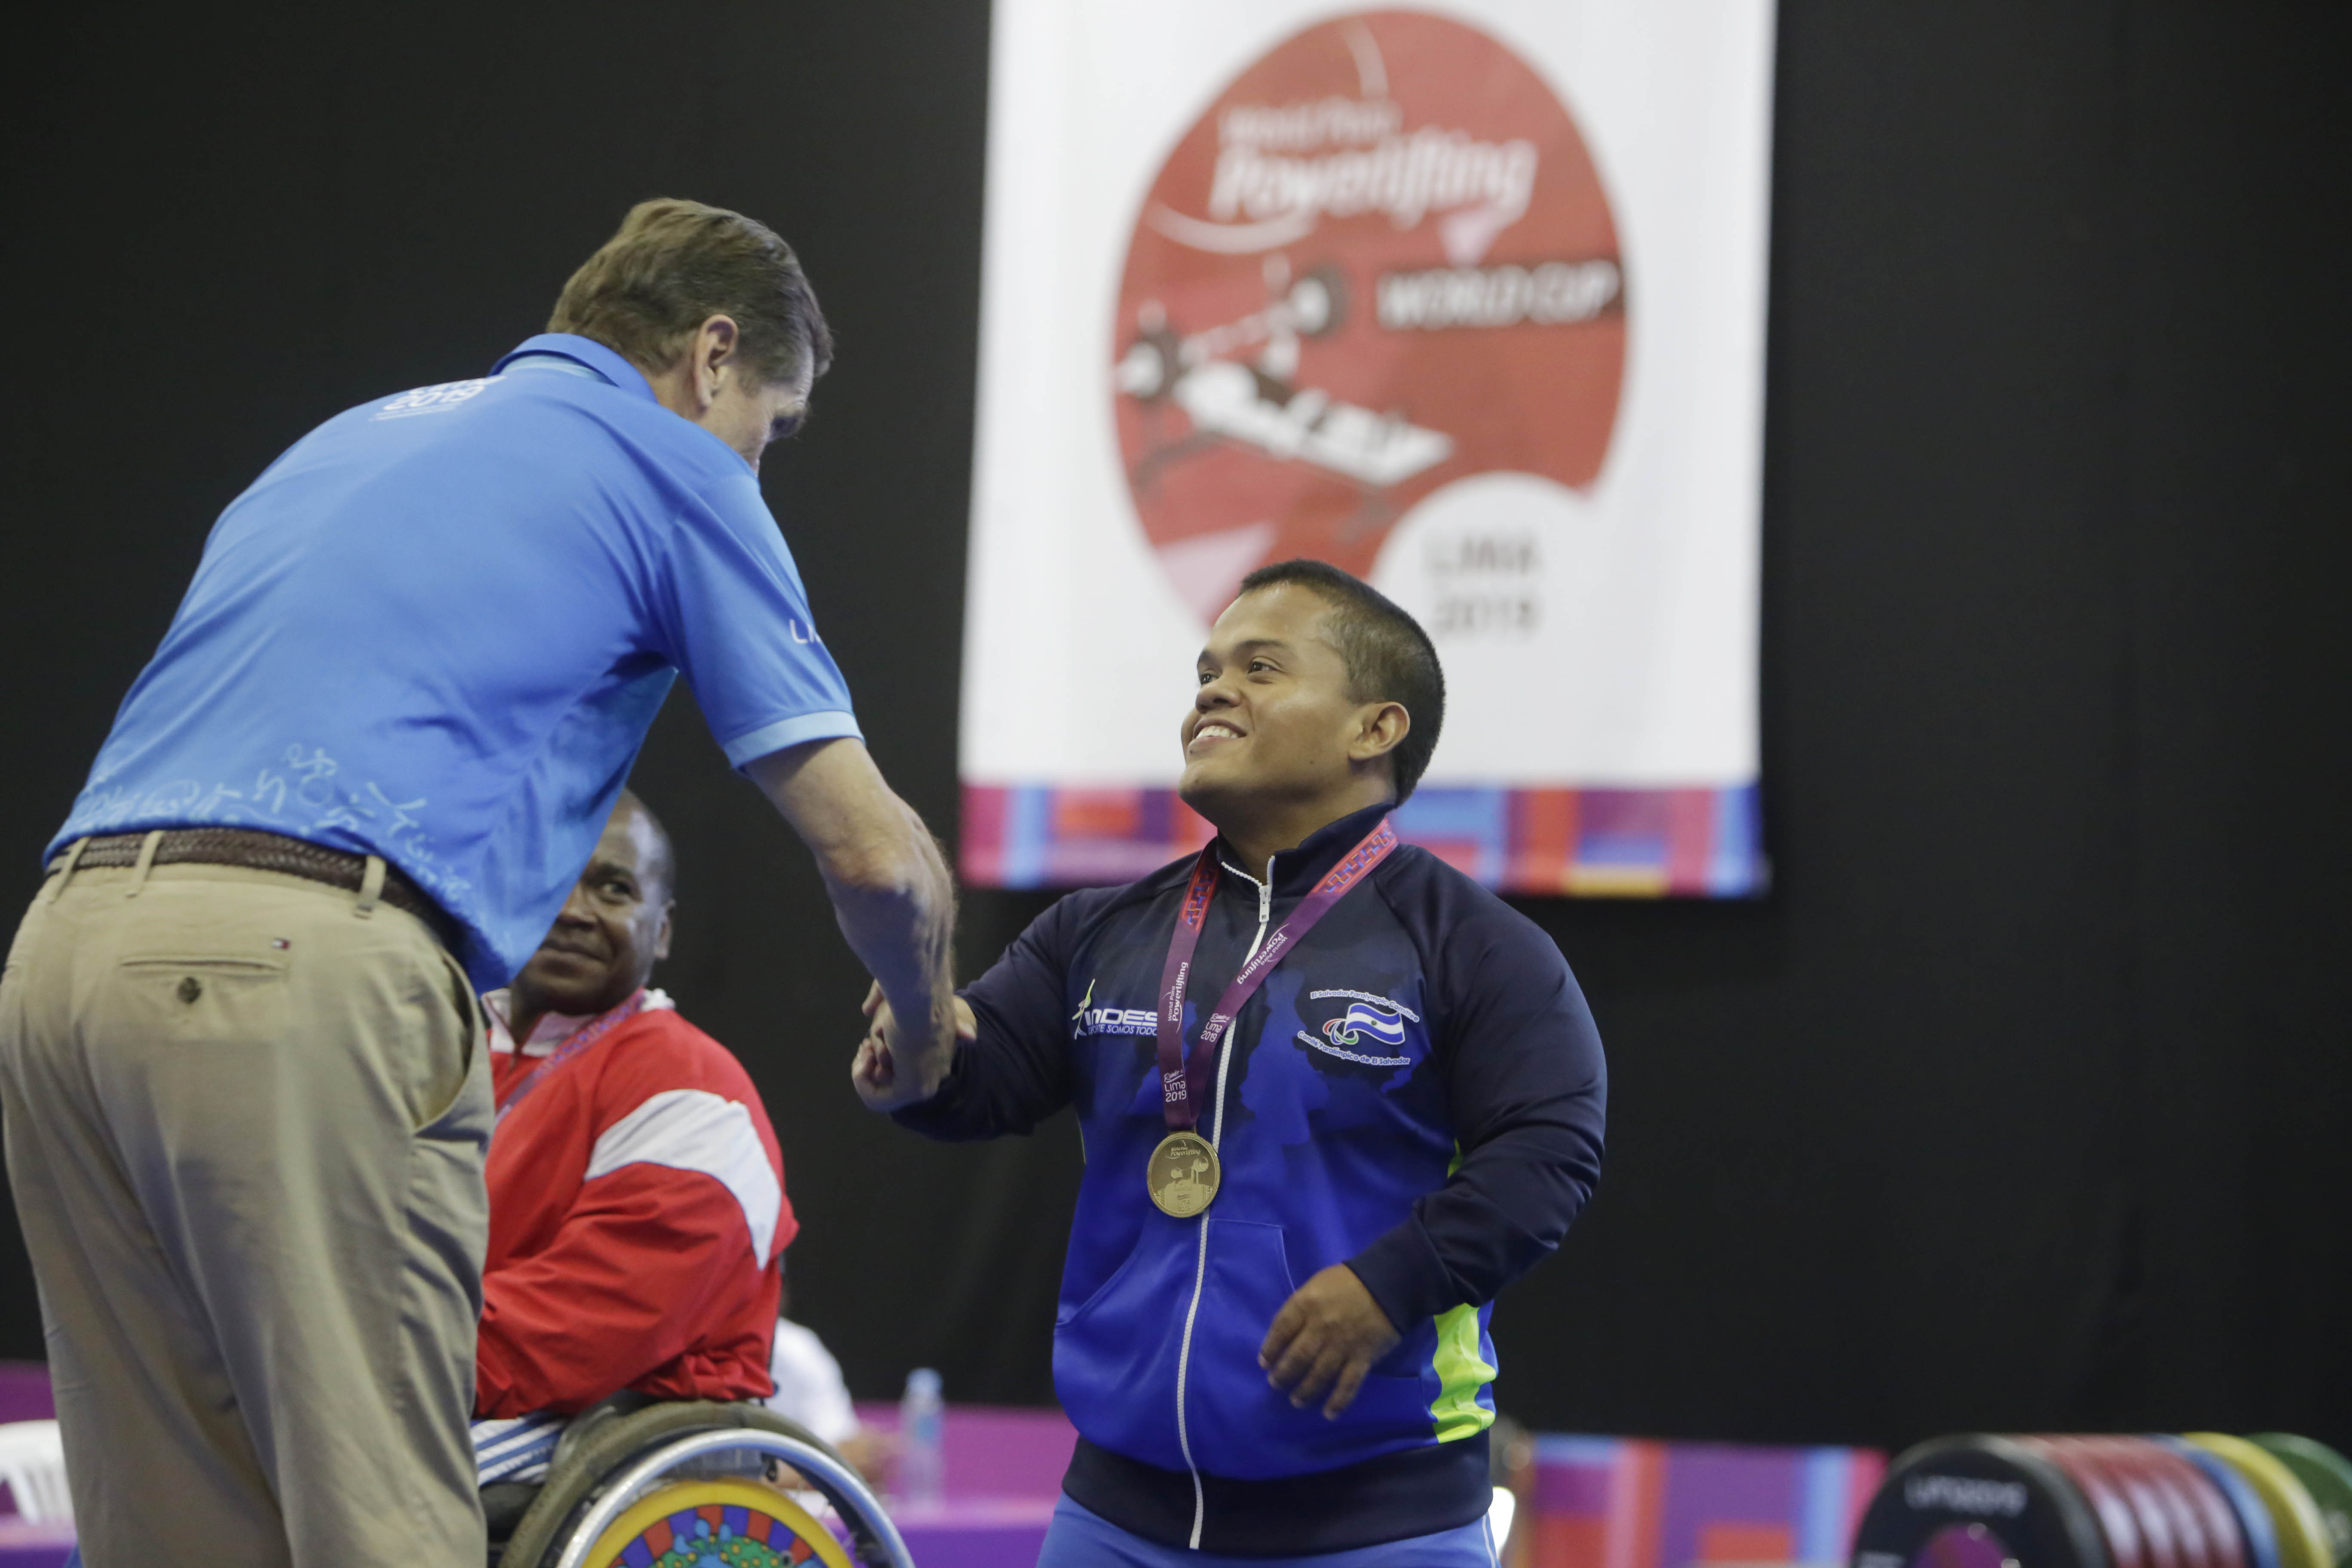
{"x": 1370, "y": 1032}
{"x": 1363, "y": 1018}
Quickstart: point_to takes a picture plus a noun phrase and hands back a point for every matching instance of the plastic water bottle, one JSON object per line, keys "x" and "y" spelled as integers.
{"x": 921, "y": 1465}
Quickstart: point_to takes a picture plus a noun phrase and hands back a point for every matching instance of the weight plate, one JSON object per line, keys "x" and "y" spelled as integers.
{"x": 2119, "y": 1526}
{"x": 2201, "y": 1508}
{"x": 2302, "y": 1533}
{"x": 2151, "y": 1491}
{"x": 2218, "y": 1517}
{"x": 1979, "y": 1502}
{"x": 2256, "y": 1535}
{"x": 2327, "y": 1474}
{"x": 2159, "y": 1538}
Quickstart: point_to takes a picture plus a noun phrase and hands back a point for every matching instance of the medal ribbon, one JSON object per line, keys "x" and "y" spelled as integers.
{"x": 1184, "y": 1077}
{"x": 585, "y": 1036}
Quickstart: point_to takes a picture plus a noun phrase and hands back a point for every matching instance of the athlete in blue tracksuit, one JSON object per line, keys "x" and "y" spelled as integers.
{"x": 1407, "y": 1115}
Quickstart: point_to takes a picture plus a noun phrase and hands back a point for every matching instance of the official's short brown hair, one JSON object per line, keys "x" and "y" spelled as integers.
{"x": 675, "y": 264}
{"x": 1388, "y": 657}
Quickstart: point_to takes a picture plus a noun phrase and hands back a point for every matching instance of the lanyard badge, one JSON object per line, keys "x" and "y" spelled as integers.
{"x": 1185, "y": 1174}
{"x": 585, "y": 1036}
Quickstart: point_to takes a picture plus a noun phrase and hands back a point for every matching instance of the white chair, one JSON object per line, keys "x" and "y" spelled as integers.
{"x": 33, "y": 1463}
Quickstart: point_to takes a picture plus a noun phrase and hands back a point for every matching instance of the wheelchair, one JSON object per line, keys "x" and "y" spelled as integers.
{"x": 638, "y": 1483}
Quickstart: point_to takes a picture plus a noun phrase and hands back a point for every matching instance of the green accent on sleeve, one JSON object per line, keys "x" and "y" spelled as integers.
{"x": 1461, "y": 1374}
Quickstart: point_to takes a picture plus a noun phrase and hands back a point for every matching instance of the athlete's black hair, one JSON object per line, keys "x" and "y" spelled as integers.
{"x": 1388, "y": 657}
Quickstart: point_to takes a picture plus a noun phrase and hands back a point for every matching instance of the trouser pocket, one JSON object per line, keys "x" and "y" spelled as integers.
{"x": 193, "y": 995}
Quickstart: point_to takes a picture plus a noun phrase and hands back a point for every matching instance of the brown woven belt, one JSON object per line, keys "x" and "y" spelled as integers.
{"x": 269, "y": 852}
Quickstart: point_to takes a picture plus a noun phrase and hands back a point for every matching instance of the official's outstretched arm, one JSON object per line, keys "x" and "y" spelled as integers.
{"x": 891, "y": 893}
{"x": 1013, "y": 1067}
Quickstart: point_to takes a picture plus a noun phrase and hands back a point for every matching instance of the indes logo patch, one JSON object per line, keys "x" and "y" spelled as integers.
{"x": 1117, "y": 1021}
{"x": 1381, "y": 261}
{"x": 1090, "y": 1019}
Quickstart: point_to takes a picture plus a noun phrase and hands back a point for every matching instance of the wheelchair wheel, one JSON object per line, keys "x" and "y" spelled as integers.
{"x": 678, "y": 1486}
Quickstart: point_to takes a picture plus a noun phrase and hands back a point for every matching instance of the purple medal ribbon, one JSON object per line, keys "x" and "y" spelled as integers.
{"x": 1184, "y": 1079}
{"x": 580, "y": 1041}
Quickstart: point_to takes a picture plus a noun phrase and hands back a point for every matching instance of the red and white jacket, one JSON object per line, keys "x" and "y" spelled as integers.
{"x": 637, "y": 1217}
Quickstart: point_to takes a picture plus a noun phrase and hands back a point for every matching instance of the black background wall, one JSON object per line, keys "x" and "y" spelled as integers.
{"x": 2019, "y": 1103}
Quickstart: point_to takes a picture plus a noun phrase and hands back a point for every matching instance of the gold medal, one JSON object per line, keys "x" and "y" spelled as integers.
{"x": 1184, "y": 1175}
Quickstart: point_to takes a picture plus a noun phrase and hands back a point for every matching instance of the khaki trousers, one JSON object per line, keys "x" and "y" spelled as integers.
{"x": 245, "y": 1118}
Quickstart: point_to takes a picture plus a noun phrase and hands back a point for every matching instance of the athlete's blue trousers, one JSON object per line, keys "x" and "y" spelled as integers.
{"x": 1078, "y": 1539}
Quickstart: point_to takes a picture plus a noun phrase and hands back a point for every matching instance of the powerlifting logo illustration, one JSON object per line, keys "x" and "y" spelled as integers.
{"x": 1371, "y": 1025}
{"x": 1382, "y": 260}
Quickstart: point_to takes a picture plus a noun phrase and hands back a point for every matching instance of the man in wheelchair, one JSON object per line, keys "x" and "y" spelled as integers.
{"x": 637, "y": 1225}
{"x": 637, "y": 1207}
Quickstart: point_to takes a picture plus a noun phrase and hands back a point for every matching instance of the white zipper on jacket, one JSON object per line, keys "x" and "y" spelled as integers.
{"x": 1201, "y": 1259}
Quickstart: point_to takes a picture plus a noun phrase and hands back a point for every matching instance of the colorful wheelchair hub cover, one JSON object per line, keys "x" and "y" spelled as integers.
{"x": 716, "y": 1524}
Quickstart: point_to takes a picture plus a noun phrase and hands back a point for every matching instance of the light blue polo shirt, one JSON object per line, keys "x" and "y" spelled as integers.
{"x": 437, "y": 628}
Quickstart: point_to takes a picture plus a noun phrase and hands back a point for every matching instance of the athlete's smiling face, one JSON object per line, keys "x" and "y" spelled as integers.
{"x": 613, "y": 928}
{"x": 1273, "y": 727}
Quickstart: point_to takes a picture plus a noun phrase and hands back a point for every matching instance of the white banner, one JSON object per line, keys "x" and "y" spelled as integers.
{"x": 1469, "y": 302}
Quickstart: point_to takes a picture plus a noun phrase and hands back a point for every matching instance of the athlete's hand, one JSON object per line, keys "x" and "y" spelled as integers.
{"x": 1327, "y": 1336}
{"x": 875, "y": 1070}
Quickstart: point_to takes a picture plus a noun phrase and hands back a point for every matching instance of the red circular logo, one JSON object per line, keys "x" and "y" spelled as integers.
{"x": 1380, "y": 262}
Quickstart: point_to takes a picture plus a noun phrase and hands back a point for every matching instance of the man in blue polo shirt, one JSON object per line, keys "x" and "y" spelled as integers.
{"x": 1335, "y": 1096}
{"x": 245, "y": 1088}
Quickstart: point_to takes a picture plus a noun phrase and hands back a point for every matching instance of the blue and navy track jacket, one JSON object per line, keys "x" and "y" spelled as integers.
{"x": 1416, "y": 1091}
